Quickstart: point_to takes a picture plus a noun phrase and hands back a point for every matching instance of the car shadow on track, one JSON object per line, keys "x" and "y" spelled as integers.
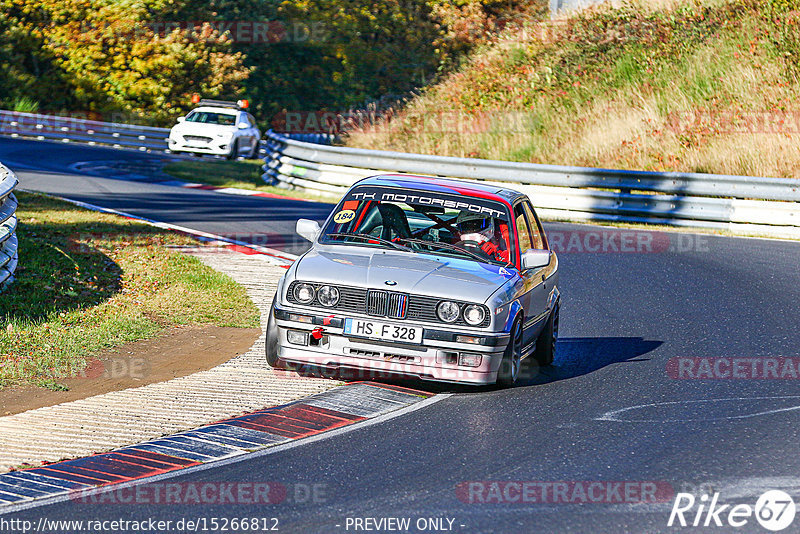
{"x": 575, "y": 356}
{"x": 578, "y": 356}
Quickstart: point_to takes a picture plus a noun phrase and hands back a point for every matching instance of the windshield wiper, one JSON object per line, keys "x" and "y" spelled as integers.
{"x": 366, "y": 237}
{"x": 444, "y": 245}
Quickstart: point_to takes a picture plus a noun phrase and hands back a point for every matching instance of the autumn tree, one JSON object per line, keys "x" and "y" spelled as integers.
{"x": 127, "y": 56}
{"x": 108, "y": 56}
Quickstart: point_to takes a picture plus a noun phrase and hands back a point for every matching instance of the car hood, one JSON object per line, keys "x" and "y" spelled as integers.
{"x": 421, "y": 274}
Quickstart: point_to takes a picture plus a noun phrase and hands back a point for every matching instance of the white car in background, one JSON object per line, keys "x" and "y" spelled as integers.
{"x": 218, "y": 128}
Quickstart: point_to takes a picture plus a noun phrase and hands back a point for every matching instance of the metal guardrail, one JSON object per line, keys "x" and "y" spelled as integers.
{"x": 8, "y": 226}
{"x": 84, "y": 131}
{"x": 69, "y": 130}
{"x": 741, "y": 204}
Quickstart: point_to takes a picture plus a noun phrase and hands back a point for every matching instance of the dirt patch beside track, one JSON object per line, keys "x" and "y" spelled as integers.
{"x": 174, "y": 353}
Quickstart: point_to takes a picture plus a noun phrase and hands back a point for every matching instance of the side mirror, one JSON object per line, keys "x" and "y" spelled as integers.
{"x": 243, "y": 126}
{"x": 182, "y": 118}
{"x": 535, "y": 259}
{"x": 308, "y": 229}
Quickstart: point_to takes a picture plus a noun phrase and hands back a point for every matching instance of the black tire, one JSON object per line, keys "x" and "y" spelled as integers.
{"x": 234, "y": 151}
{"x": 271, "y": 342}
{"x": 545, "y": 351}
{"x": 511, "y": 364}
{"x": 254, "y": 153}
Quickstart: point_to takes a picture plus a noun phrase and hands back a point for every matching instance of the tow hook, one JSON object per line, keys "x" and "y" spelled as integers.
{"x": 317, "y": 336}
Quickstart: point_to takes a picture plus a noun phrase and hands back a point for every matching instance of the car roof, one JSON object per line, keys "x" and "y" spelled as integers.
{"x": 435, "y": 184}
{"x": 212, "y": 109}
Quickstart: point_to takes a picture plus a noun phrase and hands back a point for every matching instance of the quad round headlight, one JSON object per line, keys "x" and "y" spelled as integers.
{"x": 474, "y": 314}
{"x": 304, "y": 293}
{"x": 448, "y": 311}
{"x": 328, "y": 296}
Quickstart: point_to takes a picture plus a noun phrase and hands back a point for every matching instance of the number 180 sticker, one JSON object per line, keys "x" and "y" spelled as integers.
{"x": 344, "y": 216}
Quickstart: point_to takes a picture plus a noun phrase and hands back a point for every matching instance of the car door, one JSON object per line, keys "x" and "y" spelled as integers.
{"x": 534, "y": 301}
{"x": 539, "y": 241}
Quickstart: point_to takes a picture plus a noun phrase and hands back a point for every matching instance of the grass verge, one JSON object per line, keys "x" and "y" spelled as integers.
{"x": 88, "y": 281}
{"x": 242, "y": 174}
{"x": 694, "y": 86}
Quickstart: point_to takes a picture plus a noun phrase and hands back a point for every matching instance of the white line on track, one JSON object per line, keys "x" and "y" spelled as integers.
{"x": 614, "y": 415}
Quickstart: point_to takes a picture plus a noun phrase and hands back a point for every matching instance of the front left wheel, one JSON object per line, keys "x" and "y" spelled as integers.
{"x": 234, "y": 151}
{"x": 255, "y": 151}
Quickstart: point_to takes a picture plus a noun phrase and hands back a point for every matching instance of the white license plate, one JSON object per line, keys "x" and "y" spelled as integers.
{"x": 383, "y": 331}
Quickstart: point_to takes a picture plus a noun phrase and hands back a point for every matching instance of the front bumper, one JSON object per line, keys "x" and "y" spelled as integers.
{"x": 433, "y": 359}
{"x": 217, "y": 147}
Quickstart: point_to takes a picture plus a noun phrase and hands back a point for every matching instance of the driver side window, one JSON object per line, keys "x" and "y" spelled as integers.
{"x": 523, "y": 233}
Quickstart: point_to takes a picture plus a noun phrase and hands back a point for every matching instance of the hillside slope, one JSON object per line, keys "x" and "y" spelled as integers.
{"x": 705, "y": 86}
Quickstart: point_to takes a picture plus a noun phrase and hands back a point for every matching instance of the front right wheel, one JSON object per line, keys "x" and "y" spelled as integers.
{"x": 546, "y": 343}
{"x": 271, "y": 344}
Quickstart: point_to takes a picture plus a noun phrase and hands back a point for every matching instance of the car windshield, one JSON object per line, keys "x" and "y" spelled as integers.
{"x": 423, "y": 222}
{"x": 208, "y": 117}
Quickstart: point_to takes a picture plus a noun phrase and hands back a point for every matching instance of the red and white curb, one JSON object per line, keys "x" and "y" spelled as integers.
{"x": 224, "y": 440}
{"x": 109, "y": 421}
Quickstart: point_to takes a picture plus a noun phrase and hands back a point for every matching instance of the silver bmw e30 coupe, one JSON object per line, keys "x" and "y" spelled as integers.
{"x": 438, "y": 279}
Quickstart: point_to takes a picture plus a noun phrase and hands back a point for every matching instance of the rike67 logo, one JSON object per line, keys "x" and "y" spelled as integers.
{"x": 774, "y": 511}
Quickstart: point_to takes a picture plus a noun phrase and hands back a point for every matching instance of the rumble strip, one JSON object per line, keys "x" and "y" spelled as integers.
{"x": 332, "y": 409}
